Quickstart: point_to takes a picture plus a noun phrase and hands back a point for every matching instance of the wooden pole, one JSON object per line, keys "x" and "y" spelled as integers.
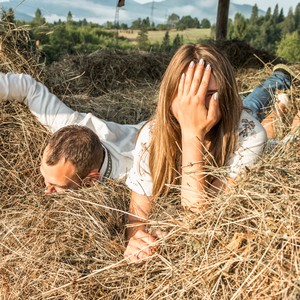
{"x": 222, "y": 19}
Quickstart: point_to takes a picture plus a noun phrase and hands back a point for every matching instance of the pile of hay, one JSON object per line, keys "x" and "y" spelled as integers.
{"x": 17, "y": 51}
{"x": 70, "y": 246}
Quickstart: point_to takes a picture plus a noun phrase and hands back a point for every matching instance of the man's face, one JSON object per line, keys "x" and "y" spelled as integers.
{"x": 59, "y": 177}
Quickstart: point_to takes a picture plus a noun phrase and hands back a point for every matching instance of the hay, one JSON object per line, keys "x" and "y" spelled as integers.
{"x": 106, "y": 70}
{"x": 70, "y": 246}
{"x": 246, "y": 246}
{"x": 18, "y": 52}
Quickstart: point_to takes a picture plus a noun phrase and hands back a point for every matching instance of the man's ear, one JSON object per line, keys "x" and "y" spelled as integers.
{"x": 91, "y": 178}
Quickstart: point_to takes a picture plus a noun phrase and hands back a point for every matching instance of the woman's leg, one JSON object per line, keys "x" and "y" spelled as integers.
{"x": 271, "y": 120}
{"x": 261, "y": 97}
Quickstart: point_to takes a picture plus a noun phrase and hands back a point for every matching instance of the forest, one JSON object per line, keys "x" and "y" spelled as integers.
{"x": 273, "y": 32}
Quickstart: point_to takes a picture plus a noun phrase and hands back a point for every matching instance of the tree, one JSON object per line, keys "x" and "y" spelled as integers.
{"x": 38, "y": 18}
{"x": 10, "y": 16}
{"x": 136, "y": 24}
{"x": 297, "y": 17}
{"x": 205, "y": 23}
{"x": 289, "y": 47}
{"x": 177, "y": 42}
{"x": 289, "y": 24}
{"x": 172, "y": 20}
{"x": 280, "y": 16}
{"x": 268, "y": 14}
{"x": 165, "y": 45}
{"x": 142, "y": 38}
{"x": 69, "y": 18}
{"x": 187, "y": 22}
{"x": 275, "y": 14}
{"x": 239, "y": 27}
{"x": 254, "y": 15}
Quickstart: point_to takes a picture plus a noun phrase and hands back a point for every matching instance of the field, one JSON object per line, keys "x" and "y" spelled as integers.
{"x": 71, "y": 245}
{"x": 189, "y": 35}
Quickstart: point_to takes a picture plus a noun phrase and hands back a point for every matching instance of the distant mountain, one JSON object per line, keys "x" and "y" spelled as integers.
{"x": 100, "y": 11}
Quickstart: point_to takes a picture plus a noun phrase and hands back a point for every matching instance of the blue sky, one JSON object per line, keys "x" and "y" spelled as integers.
{"x": 262, "y": 4}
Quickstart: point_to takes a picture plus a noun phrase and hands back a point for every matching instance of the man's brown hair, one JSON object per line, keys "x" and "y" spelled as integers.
{"x": 77, "y": 144}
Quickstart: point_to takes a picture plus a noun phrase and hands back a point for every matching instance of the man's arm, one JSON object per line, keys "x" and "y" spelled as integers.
{"x": 46, "y": 107}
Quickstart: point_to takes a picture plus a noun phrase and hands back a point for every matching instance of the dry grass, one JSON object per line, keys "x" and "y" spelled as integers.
{"x": 70, "y": 246}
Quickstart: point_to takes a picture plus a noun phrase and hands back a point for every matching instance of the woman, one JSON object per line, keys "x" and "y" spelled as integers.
{"x": 199, "y": 123}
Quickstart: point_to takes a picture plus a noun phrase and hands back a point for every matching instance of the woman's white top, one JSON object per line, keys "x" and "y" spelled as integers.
{"x": 252, "y": 138}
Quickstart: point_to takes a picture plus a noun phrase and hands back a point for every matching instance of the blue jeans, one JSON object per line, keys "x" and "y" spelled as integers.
{"x": 261, "y": 97}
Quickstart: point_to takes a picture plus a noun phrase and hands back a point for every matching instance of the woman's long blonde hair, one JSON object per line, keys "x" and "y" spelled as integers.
{"x": 221, "y": 141}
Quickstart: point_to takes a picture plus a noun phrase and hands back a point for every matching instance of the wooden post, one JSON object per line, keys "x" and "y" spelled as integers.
{"x": 222, "y": 19}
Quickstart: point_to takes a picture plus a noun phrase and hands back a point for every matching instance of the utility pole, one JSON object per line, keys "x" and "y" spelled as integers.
{"x": 116, "y": 23}
{"x": 222, "y": 20}
{"x": 152, "y": 12}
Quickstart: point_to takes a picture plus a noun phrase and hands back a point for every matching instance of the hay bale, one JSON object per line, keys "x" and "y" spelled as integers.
{"x": 106, "y": 70}
{"x": 18, "y": 52}
{"x": 70, "y": 245}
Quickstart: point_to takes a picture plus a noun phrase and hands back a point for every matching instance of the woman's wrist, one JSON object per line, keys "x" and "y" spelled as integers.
{"x": 193, "y": 138}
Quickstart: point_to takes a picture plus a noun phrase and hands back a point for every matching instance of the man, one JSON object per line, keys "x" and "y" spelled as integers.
{"x": 83, "y": 147}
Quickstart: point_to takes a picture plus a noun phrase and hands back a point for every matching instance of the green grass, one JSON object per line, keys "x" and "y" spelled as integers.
{"x": 191, "y": 35}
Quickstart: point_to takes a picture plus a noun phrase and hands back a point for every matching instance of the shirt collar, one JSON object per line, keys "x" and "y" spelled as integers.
{"x": 106, "y": 168}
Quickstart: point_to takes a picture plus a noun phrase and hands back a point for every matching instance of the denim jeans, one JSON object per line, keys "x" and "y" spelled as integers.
{"x": 261, "y": 97}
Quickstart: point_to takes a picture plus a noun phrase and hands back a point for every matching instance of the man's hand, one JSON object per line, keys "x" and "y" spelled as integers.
{"x": 141, "y": 247}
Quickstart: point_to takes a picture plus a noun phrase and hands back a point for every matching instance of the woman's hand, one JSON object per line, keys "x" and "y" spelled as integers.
{"x": 196, "y": 105}
{"x": 141, "y": 247}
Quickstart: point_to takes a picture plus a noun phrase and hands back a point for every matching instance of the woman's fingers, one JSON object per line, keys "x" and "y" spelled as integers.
{"x": 189, "y": 78}
{"x": 214, "y": 112}
{"x": 140, "y": 247}
{"x": 204, "y": 82}
{"x": 199, "y": 69}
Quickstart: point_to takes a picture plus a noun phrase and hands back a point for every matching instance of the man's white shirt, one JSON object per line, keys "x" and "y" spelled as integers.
{"x": 52, "y": 113}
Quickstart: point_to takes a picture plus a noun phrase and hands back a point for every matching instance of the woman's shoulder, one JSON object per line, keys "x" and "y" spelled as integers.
{"x": 249, "y": 126}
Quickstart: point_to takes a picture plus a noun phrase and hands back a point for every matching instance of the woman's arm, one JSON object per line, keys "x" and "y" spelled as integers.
{"x": 140, "y": 243}
{"x": 197, "y": 112}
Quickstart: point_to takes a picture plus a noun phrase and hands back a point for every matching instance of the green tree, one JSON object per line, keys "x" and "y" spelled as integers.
{"x": 239, "y": 27}
{"x": 297, "y": 17}
{"x": 289, "y": 24}
{"x": 275, "y": 14}
{"x": 136, "y": 24}
{"x": 38, "y": 18}
{"x": 205, "y": 23}
{"x": 187, "y": 22}
{"x": 280, "y": 16}
{"x": 177, "y": 42}
{"x": 166, "y": 45}
{"x": 289, "y": 47}
{"x": 268, "y": 14}
{"x": 172, "y": 20}
{"x": 254, "y": 15}
{"x": 10, "y": 16}
{"x": 69, "y": 18}
{"x": 142, "y": 39}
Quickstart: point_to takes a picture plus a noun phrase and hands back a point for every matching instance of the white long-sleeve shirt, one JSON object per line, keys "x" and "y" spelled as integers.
{"x": 52, "y": 113}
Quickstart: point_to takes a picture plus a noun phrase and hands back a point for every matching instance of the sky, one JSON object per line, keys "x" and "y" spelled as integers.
{"x": 262, "y": 4}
